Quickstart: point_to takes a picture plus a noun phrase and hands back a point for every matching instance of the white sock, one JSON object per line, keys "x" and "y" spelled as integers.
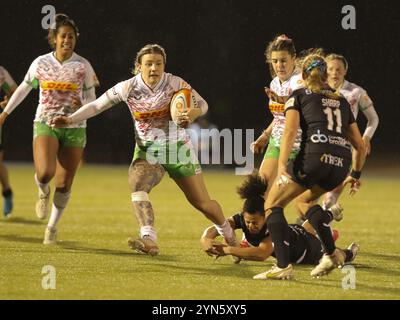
{"x": 150, "y": 232}
{"x": 227, "y": 232}
{"x": 60, "y": 201}
{"x": 44, "y": 188}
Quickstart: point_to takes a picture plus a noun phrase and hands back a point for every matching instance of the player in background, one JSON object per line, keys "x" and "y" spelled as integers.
{"x": 322, "y": 164}
{"x": 281, "y": 58}
{"x": 358, "y": 99}
{"x": 305, "y": 246}
{"x": 66, "y": 80}
{"x": 7, "y": 87}
{"x": 158, "y": 143}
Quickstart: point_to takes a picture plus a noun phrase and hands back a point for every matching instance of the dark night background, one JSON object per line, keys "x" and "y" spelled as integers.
{"x": 217, "y": 46}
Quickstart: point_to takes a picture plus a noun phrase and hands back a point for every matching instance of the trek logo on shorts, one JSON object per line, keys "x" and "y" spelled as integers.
{"x": 333, "y": 160}
{"x": 60, "y": 86}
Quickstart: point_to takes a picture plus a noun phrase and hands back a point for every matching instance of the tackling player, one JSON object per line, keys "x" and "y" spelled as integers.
{"x": 305, "y": 246}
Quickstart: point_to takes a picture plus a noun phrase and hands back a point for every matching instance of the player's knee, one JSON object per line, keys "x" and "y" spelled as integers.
{"x": 138, "y": 186}
{"x": 141, "y": 182}
{"x": 45, "y": 176}
{"x": 65, "y": 185}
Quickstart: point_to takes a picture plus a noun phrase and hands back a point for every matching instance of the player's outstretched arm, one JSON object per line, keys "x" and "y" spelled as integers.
{"x": 259, "y": 145}
{"x": 260, "y": 253}
{"x": 85, "y": 112}
{"x": 207, "y": 240}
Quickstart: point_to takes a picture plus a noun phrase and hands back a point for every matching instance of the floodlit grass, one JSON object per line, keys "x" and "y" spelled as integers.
{"x": 92, "y": 260}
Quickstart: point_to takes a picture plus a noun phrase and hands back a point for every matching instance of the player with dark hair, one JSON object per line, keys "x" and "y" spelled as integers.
{"x": 305, "y": 246}
{"x": 66, "y": 80}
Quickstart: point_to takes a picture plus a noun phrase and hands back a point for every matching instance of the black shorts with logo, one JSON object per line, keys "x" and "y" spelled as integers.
{"x": 322, "y": 169}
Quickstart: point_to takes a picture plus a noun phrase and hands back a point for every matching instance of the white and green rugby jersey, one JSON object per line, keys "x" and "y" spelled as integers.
{"x": 60, "y": 84}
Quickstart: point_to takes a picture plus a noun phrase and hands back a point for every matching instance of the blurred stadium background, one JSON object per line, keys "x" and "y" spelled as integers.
{"x": 217, "y": 46}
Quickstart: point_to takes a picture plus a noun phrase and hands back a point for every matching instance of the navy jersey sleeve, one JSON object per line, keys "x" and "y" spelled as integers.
{"x": 293, "y": 102}
{"x": 238, "y": 220}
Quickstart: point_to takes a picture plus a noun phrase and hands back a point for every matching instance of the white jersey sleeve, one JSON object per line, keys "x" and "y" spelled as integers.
{"x": 31, "y": 77}
{"x": 18, "y": 96}
{"x": 367, "y": 107}
{"x": 91, "y": 80}
{"x": 91, "y": 109}
{"x": 296, "y": 82}
{"x": 119, "y": 93}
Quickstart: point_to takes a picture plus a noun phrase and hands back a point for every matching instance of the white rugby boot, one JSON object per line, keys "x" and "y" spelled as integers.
{"x": 276, "y": 273}
{"x": 144, "y": 245}
{"x": 50, "y": 236}
{"x": 42, "y": 205}
{"x": 328, "y": 263}
{"x": 337, "y": 211}
{"x": 354, "y": 248}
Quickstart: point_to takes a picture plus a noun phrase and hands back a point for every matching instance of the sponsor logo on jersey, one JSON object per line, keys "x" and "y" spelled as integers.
{"x": 319, "y": 137}
{"x": 336, "y": 140}
{"x": 59, "y": 86}
{"x": 333, "y": 160}
{"x": 277, "y": 107}
{"x": 145, "y": 115}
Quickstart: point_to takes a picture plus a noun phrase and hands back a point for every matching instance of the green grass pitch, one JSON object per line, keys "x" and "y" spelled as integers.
{"x": 92, "y": 260}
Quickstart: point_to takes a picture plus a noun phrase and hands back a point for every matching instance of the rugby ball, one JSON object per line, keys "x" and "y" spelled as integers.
{"x": 184, "y": 102}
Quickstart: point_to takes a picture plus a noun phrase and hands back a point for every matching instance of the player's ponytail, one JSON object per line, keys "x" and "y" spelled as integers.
{"x": 60, "y": 20}
{"x": 252, "y": 191}
{"x": 315, "y": 75}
